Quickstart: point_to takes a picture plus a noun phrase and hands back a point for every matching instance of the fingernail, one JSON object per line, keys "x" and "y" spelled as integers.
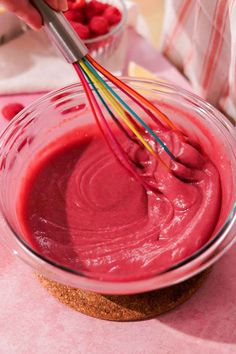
{"x": 63, "y": 5}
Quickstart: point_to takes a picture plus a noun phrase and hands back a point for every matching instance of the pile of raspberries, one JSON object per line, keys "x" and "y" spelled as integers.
{"x": 91, "y": 19}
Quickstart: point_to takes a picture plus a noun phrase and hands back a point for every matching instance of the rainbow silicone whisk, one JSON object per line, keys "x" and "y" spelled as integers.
{"x": 101, "y": 88}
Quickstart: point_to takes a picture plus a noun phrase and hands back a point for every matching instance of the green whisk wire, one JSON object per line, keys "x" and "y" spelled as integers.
{"x": 125, "y": 105}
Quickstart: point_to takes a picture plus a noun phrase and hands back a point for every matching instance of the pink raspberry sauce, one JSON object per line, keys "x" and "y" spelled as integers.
{"x": 81, "y": 209}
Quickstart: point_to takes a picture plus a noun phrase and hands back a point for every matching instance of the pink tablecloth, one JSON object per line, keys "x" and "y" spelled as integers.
{"x": 33, "y": 322}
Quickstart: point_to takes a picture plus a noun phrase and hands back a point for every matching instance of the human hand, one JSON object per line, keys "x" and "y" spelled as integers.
{"x": 28, "y": 13}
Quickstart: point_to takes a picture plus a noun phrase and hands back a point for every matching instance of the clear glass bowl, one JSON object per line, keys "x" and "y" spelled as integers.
{"x": 56, "y": 114}
{"x": 102, "y": 47}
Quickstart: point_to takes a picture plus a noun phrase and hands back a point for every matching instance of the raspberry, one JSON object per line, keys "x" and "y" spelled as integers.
{"x": 10, "y": 110}
{"x": 81, "y": 30}
{"x": 94, "y": 8}
{"x": 113, "y": 15}
{"x": 70, "y": 4}
{"x": 99, "y": 25}
{"x": 79, "y": 4}
{"x": 75, "y": 16}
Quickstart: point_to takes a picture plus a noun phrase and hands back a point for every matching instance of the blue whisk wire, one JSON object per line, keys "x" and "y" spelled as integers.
{"x": 130, "y": 110}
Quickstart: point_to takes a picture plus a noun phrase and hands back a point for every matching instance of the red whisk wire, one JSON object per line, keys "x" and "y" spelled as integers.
{"x": 127, "y": 89}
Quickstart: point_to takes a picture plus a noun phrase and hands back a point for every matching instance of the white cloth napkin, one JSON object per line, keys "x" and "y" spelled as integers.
{"x": 30, "y": 63}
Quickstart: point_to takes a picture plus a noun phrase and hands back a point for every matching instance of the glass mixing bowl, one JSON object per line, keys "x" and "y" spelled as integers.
{"x": 60, "y": 112}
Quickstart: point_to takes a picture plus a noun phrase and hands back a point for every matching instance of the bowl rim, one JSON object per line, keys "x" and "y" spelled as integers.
{"x": 190, "y": 266}
{"x": 115, "y": 28}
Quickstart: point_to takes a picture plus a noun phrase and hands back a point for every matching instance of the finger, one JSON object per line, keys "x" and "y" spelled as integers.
{"x": 25, "y": 11}
{"x": 63, "y": 5}
{"x": 59, "y": 5}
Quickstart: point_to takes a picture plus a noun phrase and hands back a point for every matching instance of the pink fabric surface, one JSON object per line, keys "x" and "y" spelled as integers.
{"x": 31, "y": 321}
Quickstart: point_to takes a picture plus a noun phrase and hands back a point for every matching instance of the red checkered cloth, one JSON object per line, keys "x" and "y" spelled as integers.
{"x": 199, "y": 37}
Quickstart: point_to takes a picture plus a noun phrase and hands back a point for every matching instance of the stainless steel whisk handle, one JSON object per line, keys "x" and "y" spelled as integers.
{"x": 61, "y": 32}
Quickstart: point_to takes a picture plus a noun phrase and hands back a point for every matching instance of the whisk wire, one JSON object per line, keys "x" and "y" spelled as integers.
{"x": 140, "y": 100}
{"x": 112, "y": 96}
{"x": 112, "y": 115}
{"x": 115, "y": 146}
{"x": 118, "y": 108}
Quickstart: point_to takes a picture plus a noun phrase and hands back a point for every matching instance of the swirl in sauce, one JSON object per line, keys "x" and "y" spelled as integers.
{"x": 80, "y": 208}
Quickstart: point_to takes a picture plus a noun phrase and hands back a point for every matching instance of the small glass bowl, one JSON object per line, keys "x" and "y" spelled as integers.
{"x": 103, "y": 47}
{"x": 54, "y": 115}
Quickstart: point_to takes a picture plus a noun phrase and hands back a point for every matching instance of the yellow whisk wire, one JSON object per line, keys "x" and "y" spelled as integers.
{"x": 119, "y": 110}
